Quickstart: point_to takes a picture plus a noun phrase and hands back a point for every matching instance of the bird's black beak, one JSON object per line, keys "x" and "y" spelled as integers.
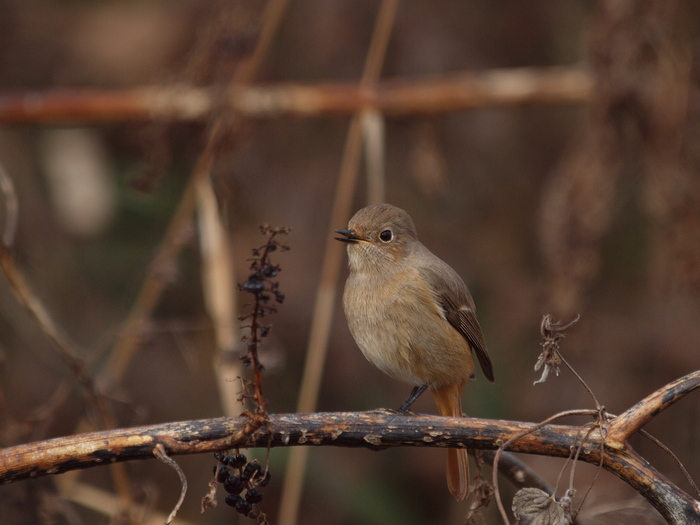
{"x": 349, "y": 237}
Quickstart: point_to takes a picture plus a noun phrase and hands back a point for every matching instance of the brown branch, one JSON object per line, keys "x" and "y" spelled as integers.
{"x": 398, "y": 97}
{"x": 629, "y": 422}
{"x": 375, "y": 430}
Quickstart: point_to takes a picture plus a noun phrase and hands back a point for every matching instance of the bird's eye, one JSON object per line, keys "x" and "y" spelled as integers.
{"x": 386, "y": 235}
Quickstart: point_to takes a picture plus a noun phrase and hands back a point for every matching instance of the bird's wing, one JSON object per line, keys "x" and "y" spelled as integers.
{"x": 457, "y": 304}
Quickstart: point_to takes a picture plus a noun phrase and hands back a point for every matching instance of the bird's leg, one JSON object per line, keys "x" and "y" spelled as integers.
{"x": 415, "y": 394}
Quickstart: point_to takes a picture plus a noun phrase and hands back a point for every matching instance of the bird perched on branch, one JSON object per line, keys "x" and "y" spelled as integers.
{"x": 413, "y": 317}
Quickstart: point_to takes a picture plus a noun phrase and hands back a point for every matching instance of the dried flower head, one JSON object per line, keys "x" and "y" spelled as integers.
{"x": 552, "y": 332}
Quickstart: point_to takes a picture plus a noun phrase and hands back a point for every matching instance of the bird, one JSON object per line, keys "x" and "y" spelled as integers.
{"x": 412, "y": 317}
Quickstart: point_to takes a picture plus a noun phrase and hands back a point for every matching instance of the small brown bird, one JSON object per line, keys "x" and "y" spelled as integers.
{"x": 413, "y": 317}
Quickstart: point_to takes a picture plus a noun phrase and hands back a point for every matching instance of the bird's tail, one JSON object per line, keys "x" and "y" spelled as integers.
{"x": 449, "y": 402}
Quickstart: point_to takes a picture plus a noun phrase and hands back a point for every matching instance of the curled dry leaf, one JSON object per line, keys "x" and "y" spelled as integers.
{"x": 209, "y": 499}
{"x": 552, "y": 332}
{"x": 535, "y": 507}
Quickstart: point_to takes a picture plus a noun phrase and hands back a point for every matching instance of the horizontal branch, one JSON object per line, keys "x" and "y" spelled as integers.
{"x": 399, "y": 97}
{"x": 374, "y": 430}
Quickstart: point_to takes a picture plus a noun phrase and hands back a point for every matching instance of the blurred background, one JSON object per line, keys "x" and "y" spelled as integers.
{"x": 586, "y": 204}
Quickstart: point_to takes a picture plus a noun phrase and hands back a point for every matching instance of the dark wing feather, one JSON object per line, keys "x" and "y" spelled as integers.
{"x": 463, "y": 318}
{"x": 458, "y": 305}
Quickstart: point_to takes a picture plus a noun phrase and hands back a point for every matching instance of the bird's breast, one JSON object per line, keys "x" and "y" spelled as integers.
{"x": 400, "y": 328}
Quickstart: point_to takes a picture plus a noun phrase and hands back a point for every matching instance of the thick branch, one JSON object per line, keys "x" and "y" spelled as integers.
{"x": 495, "y": 88}
{"x": 629, "y": 422}
{"x": 375, "y": 430}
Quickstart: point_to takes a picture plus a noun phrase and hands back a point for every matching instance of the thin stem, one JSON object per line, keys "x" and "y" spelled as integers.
{"x": 520, "y": 435}
{"x": 675, "y": 459}
{"x": 598, "y": 406}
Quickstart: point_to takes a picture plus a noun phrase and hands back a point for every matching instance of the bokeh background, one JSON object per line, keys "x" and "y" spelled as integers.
{"x": 589, "y": 208}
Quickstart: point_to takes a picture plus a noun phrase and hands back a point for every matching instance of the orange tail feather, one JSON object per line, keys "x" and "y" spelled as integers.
{"x": 449, "y": 402}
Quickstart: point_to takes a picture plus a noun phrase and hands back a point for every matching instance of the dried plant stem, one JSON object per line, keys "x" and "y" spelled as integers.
{"x": 375, "y": 146}
{"x": 326, "y": 293}
{"x": 154, "y": 283}
{"x": 519, "y": 435}
{"x": 218, "y": 289}
{"x": 398, "y": 97}
{"x": 160, "y": 453}
{"x": 598, "y": 406}
{"x": 263, "y": 288}
{"x": 516, "y": 471}
{"x": 61, "y": 342}
{"x": 320, "y": 325}
{"x": 675, "y": 459}
{"x": 69, "y": 354}
{"x": 601, "y": 452}
{"x": 272, "y": 18}
{"x": 7, "y": 188}
{"x": 104, "y": 503}
{"x": 174, "y": 238}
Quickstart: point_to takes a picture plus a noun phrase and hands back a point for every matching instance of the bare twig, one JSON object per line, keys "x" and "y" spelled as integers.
{"x": 551, "y": 358}
{"x": 375, "y": 145}
{"x": 159, "y": 453}
{"x": 398, "y": 97}
{"x": 523, "y": 433}
{"x": 675, "y": 459}
{"x": 60, "y": 340}
{"x": 598, "y": 425}
{"x": 67, "y": 351}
